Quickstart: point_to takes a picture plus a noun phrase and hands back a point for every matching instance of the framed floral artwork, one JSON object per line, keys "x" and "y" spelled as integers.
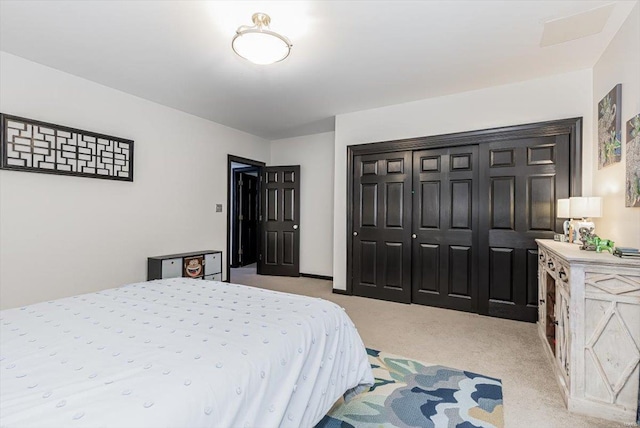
{"x": 610, "y": 128}
{"x": 632, "y": 150}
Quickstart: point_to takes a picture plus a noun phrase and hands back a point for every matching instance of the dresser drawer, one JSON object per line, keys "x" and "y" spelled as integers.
{"x": 216, "y": 277}
{"x": 213, "y": 264}
{"x": 171, "y": 268}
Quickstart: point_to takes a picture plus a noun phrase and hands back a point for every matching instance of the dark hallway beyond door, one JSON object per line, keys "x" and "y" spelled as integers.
{"x": 245, "y": 214}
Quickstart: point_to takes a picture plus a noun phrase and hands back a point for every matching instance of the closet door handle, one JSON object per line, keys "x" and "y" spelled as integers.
{"x": 414, "y": 236}
{"x": 355, "y": 233}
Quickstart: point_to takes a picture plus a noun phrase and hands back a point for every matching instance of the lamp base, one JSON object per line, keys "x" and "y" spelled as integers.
{"x": 579, "y": 224}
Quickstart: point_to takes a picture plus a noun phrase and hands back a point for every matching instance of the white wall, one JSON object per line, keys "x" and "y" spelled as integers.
{"x": 314, "y": 154}
{"x": 620, "y": 63}
{"x": 550, "y": 98}
{"x": 61, "y": 236}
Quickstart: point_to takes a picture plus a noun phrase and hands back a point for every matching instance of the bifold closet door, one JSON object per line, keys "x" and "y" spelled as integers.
{"x": 444, "y": 239}
{"x": 382, "y": 226}
{"x": 455, "y": 227}
{"x": 521, "y": 180}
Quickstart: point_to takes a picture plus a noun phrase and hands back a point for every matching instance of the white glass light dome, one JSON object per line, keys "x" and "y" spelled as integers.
{"x": 260, "y": 45}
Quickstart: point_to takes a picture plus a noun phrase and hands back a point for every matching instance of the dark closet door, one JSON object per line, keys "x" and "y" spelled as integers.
{"x": 382, "y": 226}
{"x": 280, "y": 253}
{"x": 247, "y": 218}
{"x": 445, "y": 216}
{"x": 520, "y": 182}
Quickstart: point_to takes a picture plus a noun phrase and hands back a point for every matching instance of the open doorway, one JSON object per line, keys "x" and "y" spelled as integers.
{"x": 243, "y": 215}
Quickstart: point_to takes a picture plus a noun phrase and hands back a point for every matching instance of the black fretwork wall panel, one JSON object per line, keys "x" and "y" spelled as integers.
{"x": 29, "y": 145}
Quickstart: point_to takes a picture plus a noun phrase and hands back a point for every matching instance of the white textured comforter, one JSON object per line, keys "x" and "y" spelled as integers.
{"x": 177, "y": 353}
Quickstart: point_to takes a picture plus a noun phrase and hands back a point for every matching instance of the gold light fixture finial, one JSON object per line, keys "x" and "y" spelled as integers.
{"x": 261, "y": 19}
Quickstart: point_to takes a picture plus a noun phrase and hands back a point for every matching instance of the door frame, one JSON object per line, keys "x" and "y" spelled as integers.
{"x": 570, "y": 126}
{"x": 252, "y": 163}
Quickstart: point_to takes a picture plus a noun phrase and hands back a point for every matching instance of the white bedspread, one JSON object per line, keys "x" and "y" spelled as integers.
{"x": 177, "y": 353}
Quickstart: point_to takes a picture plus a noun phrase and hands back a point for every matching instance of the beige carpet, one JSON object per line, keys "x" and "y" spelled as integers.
{"x": 508, "y": 350}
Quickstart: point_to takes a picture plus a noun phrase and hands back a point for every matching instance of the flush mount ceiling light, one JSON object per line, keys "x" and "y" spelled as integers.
{"x": 258, "y": 44}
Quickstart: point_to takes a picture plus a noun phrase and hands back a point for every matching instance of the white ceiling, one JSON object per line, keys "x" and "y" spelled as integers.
{"x": 347, "y": 56}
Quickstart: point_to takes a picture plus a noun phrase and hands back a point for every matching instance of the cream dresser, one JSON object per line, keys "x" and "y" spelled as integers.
{"x": 589, "y": 322}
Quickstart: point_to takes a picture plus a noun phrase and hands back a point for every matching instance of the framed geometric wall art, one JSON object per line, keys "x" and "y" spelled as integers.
{"x": 632, "y": 198}
{"x": 34, "y": 146}
{"x": 610, "y": 128}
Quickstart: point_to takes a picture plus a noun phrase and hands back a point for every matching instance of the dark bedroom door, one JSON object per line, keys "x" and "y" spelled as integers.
{"x": 382, "y": 226}
{"x": 445, "y": 217}
{"x": 246, "y": 214}
{"x": 280, "y": 253}
{"x": 520, "y": 181}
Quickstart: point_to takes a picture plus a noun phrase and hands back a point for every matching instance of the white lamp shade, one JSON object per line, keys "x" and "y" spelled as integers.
{"x": 594, "y": 207}
{"x": 563, "y": 208}
{"x": 584, "y": 207}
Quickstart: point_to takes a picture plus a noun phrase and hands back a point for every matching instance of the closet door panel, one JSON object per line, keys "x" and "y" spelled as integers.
{"x": 520, "y": 182}
{"x": 382, "y": 226}
{"x": 444, "y": 227}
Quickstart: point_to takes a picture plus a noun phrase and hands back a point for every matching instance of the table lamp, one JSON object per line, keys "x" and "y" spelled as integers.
{"x": 581, "y": 209}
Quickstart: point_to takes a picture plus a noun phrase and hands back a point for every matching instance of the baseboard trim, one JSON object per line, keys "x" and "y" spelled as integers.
{"x": 314, "y": 276}
{"x": 343, "y": 292}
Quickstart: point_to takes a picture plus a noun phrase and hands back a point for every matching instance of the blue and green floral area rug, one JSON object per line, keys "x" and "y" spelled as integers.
{"x": 409, "y": 393}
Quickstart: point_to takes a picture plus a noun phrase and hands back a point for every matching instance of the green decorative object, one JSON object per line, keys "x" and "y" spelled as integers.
{"x": 592, "y": 242}
{"x": 604, "y": 244}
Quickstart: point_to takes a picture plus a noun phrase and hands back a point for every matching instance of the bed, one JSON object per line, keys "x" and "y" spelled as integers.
{"x": 178, "y": 353}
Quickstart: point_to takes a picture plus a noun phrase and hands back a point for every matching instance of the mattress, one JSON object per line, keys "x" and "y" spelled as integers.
{"x": 178, "y": 353}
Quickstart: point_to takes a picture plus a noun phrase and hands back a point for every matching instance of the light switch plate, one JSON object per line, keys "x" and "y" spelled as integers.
{"x": 218, "y": 208}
